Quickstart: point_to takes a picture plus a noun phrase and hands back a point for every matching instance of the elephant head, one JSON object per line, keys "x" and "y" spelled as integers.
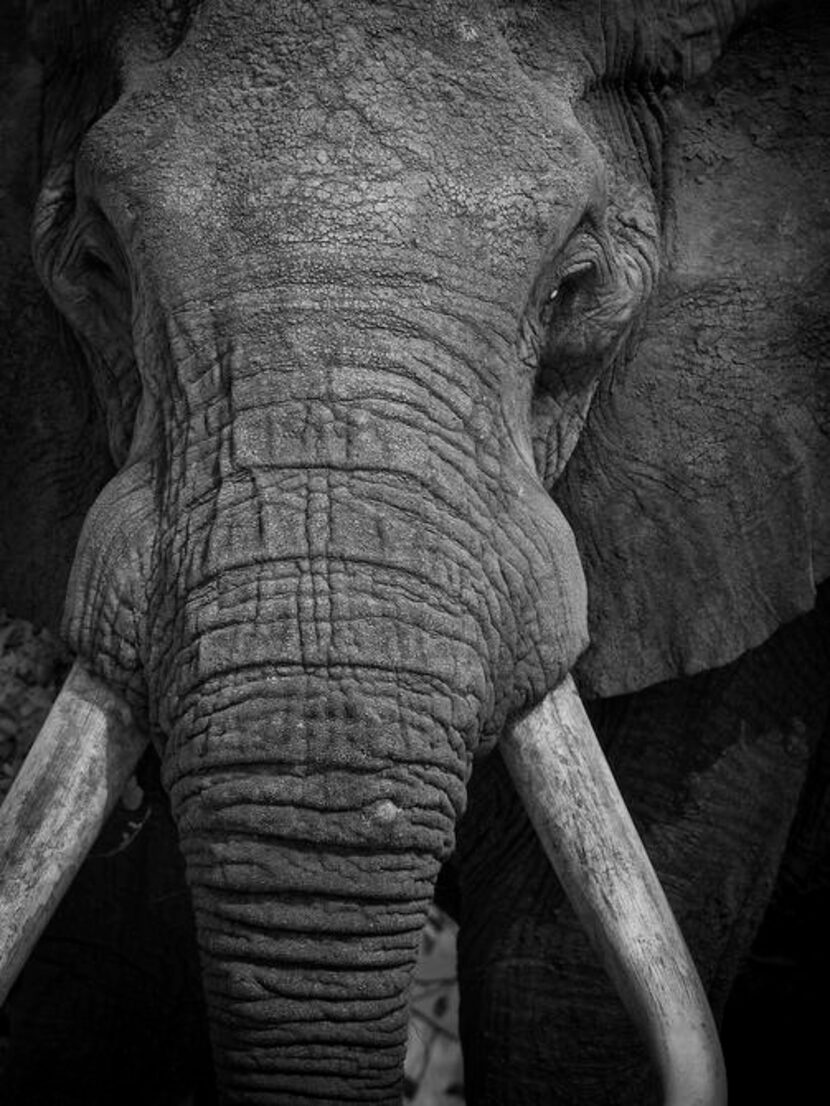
{"x": 347, "y": 278}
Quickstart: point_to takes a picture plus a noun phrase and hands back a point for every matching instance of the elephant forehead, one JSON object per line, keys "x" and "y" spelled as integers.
{"x": 386, "y": 125}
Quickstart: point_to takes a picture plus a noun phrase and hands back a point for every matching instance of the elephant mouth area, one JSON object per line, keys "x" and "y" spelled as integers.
{"x": 327, "y": 724}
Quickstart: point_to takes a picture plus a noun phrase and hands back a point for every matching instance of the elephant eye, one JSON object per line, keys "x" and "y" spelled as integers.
{"x": 91, "y": 284}
{"x": 97, "y": 269}
{"x": 576, "y": 276}
{"x": 579, "y": 280}
{"x": 571, "y": 313}
{"x": 102, "y": 274}
{"x": 94, "y": 260}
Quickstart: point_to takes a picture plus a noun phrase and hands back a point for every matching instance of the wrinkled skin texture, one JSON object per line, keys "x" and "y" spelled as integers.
{"x": 348, "y": 285}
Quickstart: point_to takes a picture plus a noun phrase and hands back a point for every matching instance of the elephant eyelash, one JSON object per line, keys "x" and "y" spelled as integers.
{"x": 94, "y": 273}
{"x": 571, "y": 338}
{"x": 97, "y": 266}
{"x": 579, "y": 279}
{"x": 582, "y": 263}
{"x": 103, "y": 274}
{"x": 571, "y": 277}
{"x": 100, "y": 260}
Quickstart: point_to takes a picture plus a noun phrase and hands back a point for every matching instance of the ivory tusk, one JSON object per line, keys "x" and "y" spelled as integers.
{"x": 564, "y": 781}
{"x": 78, "y": 765}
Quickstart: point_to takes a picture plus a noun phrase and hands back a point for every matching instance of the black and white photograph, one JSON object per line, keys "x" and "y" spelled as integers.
{"x": 414, "y": 552}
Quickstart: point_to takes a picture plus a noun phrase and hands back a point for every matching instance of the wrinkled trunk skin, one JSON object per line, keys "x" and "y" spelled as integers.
{"x": 326, "y": 645}
{"x": 315, "y": 797}
{"x": 316, "y": 767}
{"x": 310, "y": 878}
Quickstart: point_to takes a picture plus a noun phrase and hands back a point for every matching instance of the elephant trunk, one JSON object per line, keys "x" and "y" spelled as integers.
{"x": 312, "y": 842}
{"x": 321, "y": 704}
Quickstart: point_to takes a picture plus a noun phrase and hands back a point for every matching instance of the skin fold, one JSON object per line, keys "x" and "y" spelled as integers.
{"x": 413, "y": 356}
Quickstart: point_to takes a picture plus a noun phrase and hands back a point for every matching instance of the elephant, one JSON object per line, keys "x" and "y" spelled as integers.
{"x": 380, "y": 376}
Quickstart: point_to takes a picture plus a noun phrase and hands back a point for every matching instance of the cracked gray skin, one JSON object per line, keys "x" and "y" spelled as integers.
{"x": 351, "y": 283}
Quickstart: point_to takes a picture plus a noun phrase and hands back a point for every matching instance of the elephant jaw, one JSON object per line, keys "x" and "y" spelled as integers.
{"x": 89, "y": 746}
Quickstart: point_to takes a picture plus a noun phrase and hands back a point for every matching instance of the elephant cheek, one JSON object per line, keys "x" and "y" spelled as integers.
{"x": 546, "y": 602}
{"x": 104, "y": 616}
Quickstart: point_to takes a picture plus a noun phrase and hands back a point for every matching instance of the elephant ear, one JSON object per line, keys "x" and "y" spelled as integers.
{"x": 699, "y": 489}
{"x": 53, "y": 451}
